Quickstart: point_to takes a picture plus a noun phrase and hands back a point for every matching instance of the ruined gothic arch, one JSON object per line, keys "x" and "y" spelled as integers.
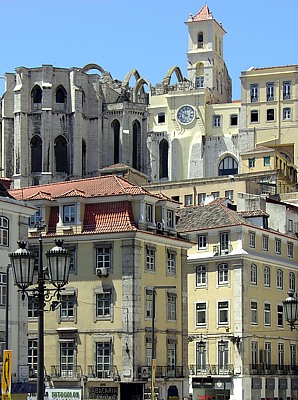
{"x": 139, "y": 86}
{"x": 132, "y": 72}
{"x": 167, "y": 79}
{"x": 87, "y": 68}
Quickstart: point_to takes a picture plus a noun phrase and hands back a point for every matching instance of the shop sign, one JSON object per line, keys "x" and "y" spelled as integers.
{"x": 103, "y": 392}
{"x": 63, "y": 394}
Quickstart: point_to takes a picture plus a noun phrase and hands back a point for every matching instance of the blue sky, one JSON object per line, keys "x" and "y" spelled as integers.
{"x": 150, "y": 36}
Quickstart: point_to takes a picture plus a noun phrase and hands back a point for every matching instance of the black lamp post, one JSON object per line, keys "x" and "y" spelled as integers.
{"x": 56, "y": 273}
{"x": 291, "y": 310}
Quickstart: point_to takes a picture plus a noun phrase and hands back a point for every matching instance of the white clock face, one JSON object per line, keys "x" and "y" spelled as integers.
{"x": 185, "y": 114}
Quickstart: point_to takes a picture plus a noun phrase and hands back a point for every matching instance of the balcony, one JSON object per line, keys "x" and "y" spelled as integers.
{"x": 66, "y": 372}
{"x": 111, "y": 372}
{"x": 211, "y": 369}
{"x": 272, "y": 369}
{"x": 144, "y": 372}
{"x": 222, "y": 250}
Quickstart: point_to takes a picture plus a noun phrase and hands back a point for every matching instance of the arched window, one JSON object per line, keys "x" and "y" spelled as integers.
{"x": 60, "y": 95}
{"x": 201, "y": 275}
{"x": 61, "y": 158}
{"x": 36, "y": 154}
{"x": 163, "y": 159}
{"x": 200, "y": 40}
{"x": 83, "y": 158}
{"x": 136, "y": 145}
{"x": 36, "y": 94}
{"x": 116, "y": 130}
{"x": 292, "y": 285}
{"x": 228, "y": 166}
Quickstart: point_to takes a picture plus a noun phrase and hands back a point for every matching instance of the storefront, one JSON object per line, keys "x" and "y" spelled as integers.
{"x": 211, "y": 388}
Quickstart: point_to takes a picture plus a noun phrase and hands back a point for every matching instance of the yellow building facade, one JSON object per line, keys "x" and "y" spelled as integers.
{"x": 239, "y": 273}
{"x": 125, "y": 245}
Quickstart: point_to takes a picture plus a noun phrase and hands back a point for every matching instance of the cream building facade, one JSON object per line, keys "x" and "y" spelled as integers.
{"x": 125, "y": 245}
{"x": 239, "y": 272}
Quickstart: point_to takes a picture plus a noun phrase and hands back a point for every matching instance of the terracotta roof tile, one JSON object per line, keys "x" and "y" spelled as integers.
{"x": 109, "y": 217}
{"x": 109, "y": 185}
{"x": 253, "y": 213}
{"x": 40, "y": 196}
{"x": 73, "y": 193}
{"x": 203, "y": 14}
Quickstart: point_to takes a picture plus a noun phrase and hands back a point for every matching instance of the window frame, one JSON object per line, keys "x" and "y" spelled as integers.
{"x": 266, "y": 161}
{"x": 202, "y": 241}
{"x": 171, "y": 262}
{"x": 265, "y": 243}
{"x": 150, "y": 264}
{"x": 280, "y": 316}
{"x": 201, "y": 276}
{"x": 3, "y": 288}
{"x": 216, "y": 121}
{"x": 253, "y": 312}
{"x": 270, "y": 113}
{"x": 254, "y": 116}
{"x": 202, "y": 312}
{"x": 223, "y": 274}
{"x": 104, "y": 256}
{"x": 161, "y": 118}
{"x": 290, "y": 249}
{"x": 149, "y": 213}
{"x": 171, "y": 306}
{"x": 277, "y": 246}
{"x": 68, "y": 301}
{"x": 286, "y": 113}
{"x": 254, "y": 92}
{"x": 4, "y": 231}
{"x": 251, "y": 162}
{"x": 267, "y": 277}
{"x": 234, "y": 119}
{"x": 267, "y": 313}
{"x": 104, "y": 304}
{"x": 253, "y": 274}
{"x": 286, "y": 89}
{"x": 270, "y": 91}
{"x": 252, "y": 239}
{"x": 69, "y": 213}
{"x": 279, "y": 279}
{"x": 292, "y": 281}
{"x": 223, "y": 310}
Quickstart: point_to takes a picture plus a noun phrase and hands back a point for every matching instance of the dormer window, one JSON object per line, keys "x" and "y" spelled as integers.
{"x": 170, "y": 218}
{"x": 149, "y": 213}
{"x": 69, "y": 213}
{"x": 36, "y": 218}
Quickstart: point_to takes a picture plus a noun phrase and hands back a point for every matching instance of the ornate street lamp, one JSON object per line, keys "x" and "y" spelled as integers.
{"x": 56, "y": 273}
{"x": 291, "y": 310}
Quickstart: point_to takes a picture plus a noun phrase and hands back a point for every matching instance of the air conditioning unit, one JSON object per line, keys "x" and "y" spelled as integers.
{"x": 159, "y": 226}
{"x": 102, "y": 271}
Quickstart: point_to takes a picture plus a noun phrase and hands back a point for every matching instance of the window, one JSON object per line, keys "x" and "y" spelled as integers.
{"x": 36, "y": 95}
{"x": 281, "y": 355}
{"x": 267, "y": 276}
{"x": 104, "y": 256}
{"x": 103, "y": 304}
{"x": 293, "y": 353}
{"x": 67, "y": 309}
{"x": 223, "y": 274}
{"x": 32, "y": 357}
{"x": 279, "y": 279}
{"x": 251, "y": 162}
{"x": 223, "y": 356}
{"x": 201, "y": 275}
{"x": 254, "y": 354}
{"x": 201, "y": 314}
{"x": 150, "y": 259}
{"x": 268, "y": 353}
{"x": 266, "y": 160}
{"x": 103, "y": 359}
{"x": 234, "y": 120}
{"x": 188, "y": 200}
{"x": 149, "y": 303}
{"x": 171, "y": 350}
{"x": 73, "y": 258}
{"x": 254, "y": 92}
{"x": 252, "y": 239}
{"x": 201, "y": 357}
{"x": 36, "y": 218}
{"x": 253, "y": 274}
{"x": 32, "y": 307}
{"x": 254, "y": 116}
{"x": 202, "y": 242}
{"x": 161, "y": 118}
{"x": 170, "y": 218}
{"x": 199, "y": 82}
{"x": 3, "y": 288}
{"x": 60, "y": 95}
{"x": 292, "y": 286}
{"x": 4, "y": 230}
{"x": 229, "y": 194}
{"x": 267, "y": 314}
{"x": 171, "y": 306}
{"x": 61, "y": 155}
{"x": 270, "y": 114}
{"x": 277, "y": 246}
{"x": 171, "y": 263}
{"x": 215, "y": 195}
{"x": 270, "y": 91}
{"x": 67, "y": 358}
{"x": 223, "y": 312}
{"x": 290, "y": 249}
{"x": 253, "y": 313}
{"x": 69, "y": 213}
{"x": 200, "y": 40}
{"x": 36, "y": 154}
{"x": 265, "y": 243}
{"x": 201, "y": 198}
{"x": 286, "y": 113}
{"x": 149, "y": 213}
{"x": 286, "y": 90}
{"x": 280, "y": 315}
{"x": 163, "y": 159}
{"x": 228, "y": 166}
{"x": 290, "y": 225}
{"x": 216, "y": 121}
{"x": 224, "y": 238}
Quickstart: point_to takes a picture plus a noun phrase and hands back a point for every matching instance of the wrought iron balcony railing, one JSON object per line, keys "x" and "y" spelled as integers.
{"x": 69, "y": 372}
{"x": 211, "y": 369}
{"x": 272, "y": 369}
{"x": 144, "y": 372}
{"x": 111, "y": 372}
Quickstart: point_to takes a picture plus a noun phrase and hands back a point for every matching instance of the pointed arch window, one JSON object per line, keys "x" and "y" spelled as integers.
{"x": 228, "y": 166}
{"x": 200, "y": 40}
{"x": 60, "y": 95}
{"x": 116, "y": 131}
{"x": 136, "y": 145}
{"x": 83, "y": 158}
{"x": 61, "y": 158}
{"x": 163, "y": 159}
{"x": 36, "y": 154}
{"x": 36, "y": 94}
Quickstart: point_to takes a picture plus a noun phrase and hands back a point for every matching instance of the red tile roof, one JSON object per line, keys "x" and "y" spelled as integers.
{"x": 203, "y": 14}
{"x": 110, "y": 185}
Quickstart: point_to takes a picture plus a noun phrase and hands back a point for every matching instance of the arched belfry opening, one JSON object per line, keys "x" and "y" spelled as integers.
{"x": 36, "y": 154}
{"x": 116, "y": 134}
{"x": 136, "y": 145}
{"x": 163, "y": 159}
{"x": 61, "y": 155}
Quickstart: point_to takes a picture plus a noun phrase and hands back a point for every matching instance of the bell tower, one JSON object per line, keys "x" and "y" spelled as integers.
{"x": 206, "y": 67}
